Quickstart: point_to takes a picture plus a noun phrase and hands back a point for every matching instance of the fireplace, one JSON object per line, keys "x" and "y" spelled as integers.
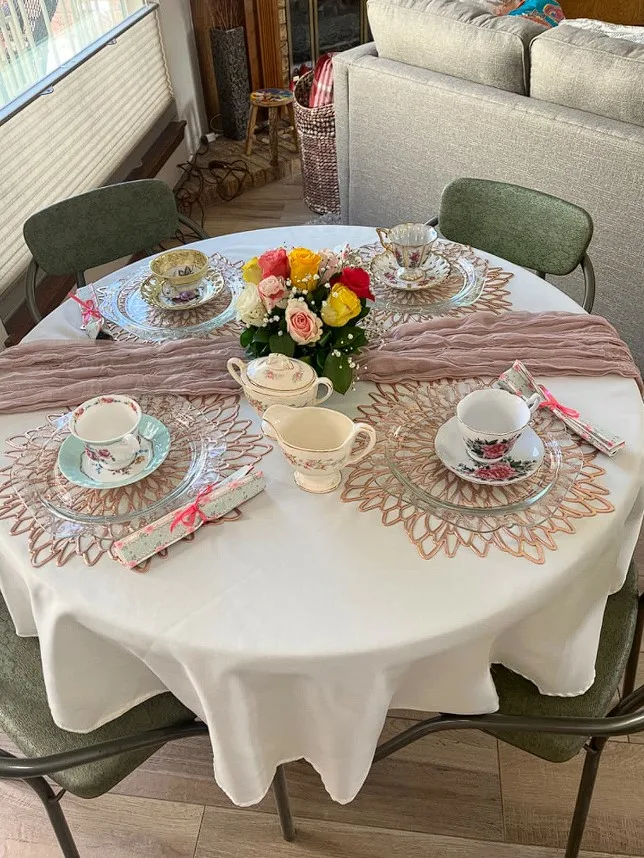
{"x": 316, "y": 27}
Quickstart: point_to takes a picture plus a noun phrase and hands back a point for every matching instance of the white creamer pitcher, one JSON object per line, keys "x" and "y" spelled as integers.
{"x": 318, "y": 443}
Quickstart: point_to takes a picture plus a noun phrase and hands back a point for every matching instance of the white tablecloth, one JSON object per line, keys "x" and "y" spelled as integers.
{"x": 292, "y": 631}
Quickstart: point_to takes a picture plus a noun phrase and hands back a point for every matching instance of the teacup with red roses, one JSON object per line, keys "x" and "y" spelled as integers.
{"x": 491, "y": 422}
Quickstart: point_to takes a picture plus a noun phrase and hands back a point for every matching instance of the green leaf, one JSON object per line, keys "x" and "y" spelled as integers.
{"x": 320, "y": 359}
{"x": 324, "y": 339}
{"x": 338, "y": 370}
{"x": 349, "y": 337}
{"x": 364, "y": 312}
{"x": 307, "y": 359}
{"x": 246, "y": 337}
{"x": 284, "y": 345}
{"x": 261, "y": 335}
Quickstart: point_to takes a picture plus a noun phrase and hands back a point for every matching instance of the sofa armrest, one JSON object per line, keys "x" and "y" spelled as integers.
{"x": 341, "y": 66}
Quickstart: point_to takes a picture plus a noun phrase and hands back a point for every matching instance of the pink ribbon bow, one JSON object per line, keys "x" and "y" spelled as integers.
{"x": 188, "y": 515}
{"x": 88, "y": 308}
{"x": 552, "y": 403}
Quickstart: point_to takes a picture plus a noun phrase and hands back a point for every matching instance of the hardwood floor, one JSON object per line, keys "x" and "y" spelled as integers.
{"x": 460, "y": 795}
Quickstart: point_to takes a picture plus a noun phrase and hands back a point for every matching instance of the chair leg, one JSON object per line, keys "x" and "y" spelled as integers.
{"x": 594, "y": 750}
{"x": 56, "y": 816}
{"x": 291, "y": 117}
{"x": 280, "y": 792}
{"x": 630, "y": 674}
{"x": 273, "y": 134}
{"x": 252, "y": 122}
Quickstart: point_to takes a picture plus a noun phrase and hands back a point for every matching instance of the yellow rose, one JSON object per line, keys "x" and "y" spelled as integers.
{"x": 341, "y": 306}
{"x": 252, "y": 272}
{"x": 304, "y": 268}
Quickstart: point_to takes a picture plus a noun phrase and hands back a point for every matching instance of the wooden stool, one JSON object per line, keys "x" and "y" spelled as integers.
{"x": 275, "y": 101}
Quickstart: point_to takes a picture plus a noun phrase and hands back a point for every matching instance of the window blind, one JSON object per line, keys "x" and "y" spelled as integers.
{"x": 74, "y": 138}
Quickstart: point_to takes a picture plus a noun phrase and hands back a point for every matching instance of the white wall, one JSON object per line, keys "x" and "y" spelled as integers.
{"x": 181, "y": 55}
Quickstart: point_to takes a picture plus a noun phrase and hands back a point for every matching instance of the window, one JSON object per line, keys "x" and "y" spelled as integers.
{"x": 71, "y": 132}
{"x": 39, "y": 36}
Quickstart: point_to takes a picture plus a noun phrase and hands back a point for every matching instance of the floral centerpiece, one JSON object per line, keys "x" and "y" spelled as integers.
{"x": 306, "y": 305}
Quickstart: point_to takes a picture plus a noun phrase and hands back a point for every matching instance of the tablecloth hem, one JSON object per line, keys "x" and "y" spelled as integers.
{"x": 117, "y": 714}
{"x": 505, "y": 664}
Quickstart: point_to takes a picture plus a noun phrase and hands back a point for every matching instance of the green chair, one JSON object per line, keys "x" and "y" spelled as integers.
{"x": 526, "y": 227}
{"x": 98, "y": 227}
{"x": 556, "y": 728}
{"x": 89, "y": 764}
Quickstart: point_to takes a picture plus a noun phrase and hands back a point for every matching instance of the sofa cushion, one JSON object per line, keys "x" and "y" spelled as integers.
{"x": 455, "y": 38}
{"x": 589, "y": 71}
{"x": 617, "y": 31}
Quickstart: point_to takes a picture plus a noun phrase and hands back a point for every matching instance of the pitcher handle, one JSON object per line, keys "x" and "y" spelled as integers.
{"x": 326, "y": 382}
{"x": 382, "y": 231}
{"x": 363, "y": 429}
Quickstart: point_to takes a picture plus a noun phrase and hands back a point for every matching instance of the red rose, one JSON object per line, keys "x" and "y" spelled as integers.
{"x": 274, "y": 263}
{"x": 357, "y": 280}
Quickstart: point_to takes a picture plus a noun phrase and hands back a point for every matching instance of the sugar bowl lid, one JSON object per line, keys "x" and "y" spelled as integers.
{"x": 280, "y": 373}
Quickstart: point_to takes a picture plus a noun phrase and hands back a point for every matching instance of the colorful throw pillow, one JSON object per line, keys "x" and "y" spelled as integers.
{"x": 547, "y": 12}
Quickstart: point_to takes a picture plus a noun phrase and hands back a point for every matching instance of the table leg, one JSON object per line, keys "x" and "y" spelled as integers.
{"x": 280, "y": 791}
{"x": 291, "y": 116}
{"x": 273, "y": 133}
{"x": 252, "y": 121}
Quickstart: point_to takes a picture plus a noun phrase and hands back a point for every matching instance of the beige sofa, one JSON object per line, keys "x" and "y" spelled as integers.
{"x": 448, "y": 90}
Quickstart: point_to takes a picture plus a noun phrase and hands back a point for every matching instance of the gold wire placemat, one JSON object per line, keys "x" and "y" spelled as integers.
{"x": 373, "y": 485}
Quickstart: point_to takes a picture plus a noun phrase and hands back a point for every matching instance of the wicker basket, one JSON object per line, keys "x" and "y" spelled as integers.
{"x": 316, "y": 130}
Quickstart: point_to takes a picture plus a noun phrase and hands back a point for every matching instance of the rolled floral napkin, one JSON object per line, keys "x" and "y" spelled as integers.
{"x": 211, "y": 502}
{"x": 518, "y": 379}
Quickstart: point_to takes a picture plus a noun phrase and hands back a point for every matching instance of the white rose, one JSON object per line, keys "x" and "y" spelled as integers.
{"x": 249, "y": 306}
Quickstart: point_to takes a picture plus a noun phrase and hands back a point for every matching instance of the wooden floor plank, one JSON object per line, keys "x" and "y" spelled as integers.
{"x": 225, "y": 834}
{"x": 445, "y": 784}
{"x": 108, "y": 827}
{"x": 538, "y": 799}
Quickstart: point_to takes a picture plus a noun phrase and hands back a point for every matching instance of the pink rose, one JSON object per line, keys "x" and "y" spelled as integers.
{"x": 495, "y": 451}
{"x": 272, "y": 290}
{"x": 330, "y": 266}
{"x": 274, "y": 263}
{"x": 302, "y": 324}
{"x": 499, "y": 471}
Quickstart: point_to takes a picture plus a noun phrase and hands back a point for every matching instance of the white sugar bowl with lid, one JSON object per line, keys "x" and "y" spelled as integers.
{"x": 279, "y": 380}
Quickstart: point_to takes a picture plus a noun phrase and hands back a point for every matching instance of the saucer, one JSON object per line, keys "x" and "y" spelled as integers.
{"x": 385, "y": 269}
{"x": 196, "y": 295}
{"x": 522, "y": 462}
{"x": 76, "y": 466}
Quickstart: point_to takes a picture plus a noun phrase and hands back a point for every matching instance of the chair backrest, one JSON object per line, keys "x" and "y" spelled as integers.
{"x": 101, "y": 225}
{"x": 524, "y": 226}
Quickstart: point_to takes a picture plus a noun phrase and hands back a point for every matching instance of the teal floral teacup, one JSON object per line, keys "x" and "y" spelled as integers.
{"x": 108, "y": 427}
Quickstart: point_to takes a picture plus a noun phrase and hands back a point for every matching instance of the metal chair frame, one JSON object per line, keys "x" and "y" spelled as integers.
{"x": 33, "y": 771}
{"x": 587, "y": 269}
{"x": 32, "y": 271}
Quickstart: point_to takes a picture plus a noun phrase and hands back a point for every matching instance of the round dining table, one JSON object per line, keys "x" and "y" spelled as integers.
{"x": 293, "y": 630}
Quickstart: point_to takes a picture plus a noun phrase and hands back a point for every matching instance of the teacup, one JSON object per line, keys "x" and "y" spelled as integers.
{"x": 411, "y": 245}
{"x": 318, "y": 443}
{"x": 491, "y": 422}
{"x": 180, "y": 271}
{"x": 107, "y": 426}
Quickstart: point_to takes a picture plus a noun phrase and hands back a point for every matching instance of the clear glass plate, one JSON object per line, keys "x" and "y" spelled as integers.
{"x": 65, "y": 510}
{"x": 122, "y": 303}
{"x": 463, "y": 286}
{"x": 408, "y": 453}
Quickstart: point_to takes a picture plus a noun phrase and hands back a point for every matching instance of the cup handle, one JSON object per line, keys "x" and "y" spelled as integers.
{"x": 534, "y": 401}
{"x": 237, "y": 368}
{"x": 132, "y": 442}
{"x": 363, "y": 429}
{"x": 326, "y": 382}
{"x": 383, "y": 232}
